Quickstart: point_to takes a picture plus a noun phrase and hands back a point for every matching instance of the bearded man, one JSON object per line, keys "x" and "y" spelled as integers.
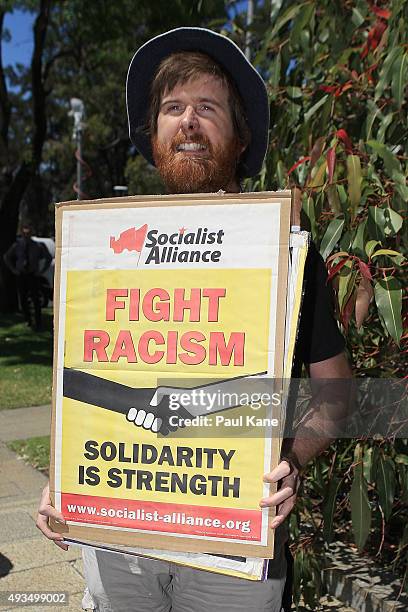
{"x": 199, "y": 112}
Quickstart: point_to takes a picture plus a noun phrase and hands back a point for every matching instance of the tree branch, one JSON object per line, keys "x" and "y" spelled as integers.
{"x": 52, "y": 60}
{"x": 37, "y": 82}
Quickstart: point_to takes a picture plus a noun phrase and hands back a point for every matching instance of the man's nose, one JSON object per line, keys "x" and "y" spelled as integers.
{"x": 189, "y": 121}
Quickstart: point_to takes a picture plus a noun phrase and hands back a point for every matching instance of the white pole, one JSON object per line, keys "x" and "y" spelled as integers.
{"x": 77, "y": 112}
{"x": 79, "y": 167}
{"x": 249, "y": 20}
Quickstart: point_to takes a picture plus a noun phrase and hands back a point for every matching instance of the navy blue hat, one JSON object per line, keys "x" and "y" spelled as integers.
{"x": 249, "y": 84}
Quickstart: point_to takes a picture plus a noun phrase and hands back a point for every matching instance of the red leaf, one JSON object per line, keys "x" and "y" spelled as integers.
{"x": 331, "y": 163}
{"x": 384, "y": 13}
{"x": 346, "y": 86}
{"x": 348, "y": 311}
{"x": 298, "y": 163}
{"x": 374, "y": 37}
{"x": 365, "y": 270}
{"x": 316, "y": 152}
{"x": 328, "y": 88}
{"x": 379, "y": 29}
{"x": 363, "y": 299}
{"x": 333, "y": 271}
{"x": 344, "y": 137}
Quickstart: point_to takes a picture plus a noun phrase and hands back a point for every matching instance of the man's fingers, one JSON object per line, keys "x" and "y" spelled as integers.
{"x": 45, "y": 512}
{"x": 57, "y": 538}
{"x": 277, "y": 498}
{"x": 281, "y": 470}
{"x": 42, "y": 525}
{"x": 49, "y": 512}
{"x": 283, "y": 511}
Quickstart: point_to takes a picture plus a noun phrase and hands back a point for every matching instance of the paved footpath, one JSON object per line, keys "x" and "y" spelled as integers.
{"x": 28, "y": 561}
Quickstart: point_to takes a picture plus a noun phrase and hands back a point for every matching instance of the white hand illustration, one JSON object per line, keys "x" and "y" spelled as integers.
{"x": 147, "y": 420}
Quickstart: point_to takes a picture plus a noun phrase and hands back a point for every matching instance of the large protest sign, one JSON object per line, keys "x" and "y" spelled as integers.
{"x": 164, "y": 307}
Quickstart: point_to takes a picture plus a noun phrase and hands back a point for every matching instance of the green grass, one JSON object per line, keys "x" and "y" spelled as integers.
{"x": 25, "y": 362}
{"x": 35, "y": 451}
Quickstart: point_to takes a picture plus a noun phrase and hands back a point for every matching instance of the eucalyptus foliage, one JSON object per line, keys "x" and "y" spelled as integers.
{"x": 337, "y": 74}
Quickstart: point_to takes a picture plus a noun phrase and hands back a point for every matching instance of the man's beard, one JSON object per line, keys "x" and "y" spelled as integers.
{"x": 183, "y": 173}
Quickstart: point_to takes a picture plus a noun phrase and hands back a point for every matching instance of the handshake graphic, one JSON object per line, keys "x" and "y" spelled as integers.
{"x": 152, "y": 408}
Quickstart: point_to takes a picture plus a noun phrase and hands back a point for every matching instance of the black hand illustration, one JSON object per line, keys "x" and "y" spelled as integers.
{"x": 134, "y": 403}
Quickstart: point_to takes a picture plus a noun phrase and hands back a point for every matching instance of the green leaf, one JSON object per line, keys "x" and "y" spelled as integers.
{"x": 294, "y": 92}
{"x": 370, "y": 462}
{"x": 360, "y": 507}
{"x": 357, "y": 17}
{"x": 403, "y": 480}
{"x": 401, "y": 459}
{"x": 346, "y": 279}
{"x": 388, "y": 297}
{"x": 385, "y": 484}
{"x": 317, "y": 179}
{"x": 302, "y": 20}
{"x": 354, "y": 182}
{"x": 281, "y": 174}
{"x": 328, "y": 508}
{"x": 358, "y": 243}
{"x": 275, "y": 72}
{"x": 288, "y": 15}
{"x": 372, "y": 115}
{"x": 400, "y": 185}
{"x": 376, "y": 222}
{"x": 393, "y": 221}
{"x": 399, "y": 79}
{"x": 309, "y": 210}
{"x": 333, "y": 198}
{"x": 331, "y": 237}
{"x": 342, "y": 194}
{"x": 394, "y": 255}
{"x": 345, "y": 242}
{"x": 315, "y": 108}
{"x": 386, "y": 71}
{"x": 391, "y": 162}
{"x": 385, "y": 123}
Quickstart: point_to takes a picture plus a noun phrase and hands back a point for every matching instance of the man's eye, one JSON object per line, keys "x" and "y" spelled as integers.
{"x": 205, "y": 108}
{"x": 174, "y": 108}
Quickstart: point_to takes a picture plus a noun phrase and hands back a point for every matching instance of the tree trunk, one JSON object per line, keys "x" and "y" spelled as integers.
{"x": 13, "y": 189}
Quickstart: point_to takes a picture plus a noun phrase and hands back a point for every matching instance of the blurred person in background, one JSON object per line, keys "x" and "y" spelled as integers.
{"x": 28, "y": 259}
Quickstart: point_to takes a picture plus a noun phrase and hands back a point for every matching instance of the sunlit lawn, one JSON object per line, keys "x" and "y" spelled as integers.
{"x": 36, "y": 451}
{"x": 25, "y": 362}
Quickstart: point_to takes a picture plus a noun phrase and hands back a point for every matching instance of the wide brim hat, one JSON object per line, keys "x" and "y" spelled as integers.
{"x": 249, "y": 83}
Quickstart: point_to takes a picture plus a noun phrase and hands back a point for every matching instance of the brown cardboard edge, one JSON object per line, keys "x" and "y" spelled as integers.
{"x": 174, "y": 200}
{"x": 284, "y": 231}
{"x": 56, "y": 300}
{"x": 163, "y": 542}
{"x": 282, "y": 285}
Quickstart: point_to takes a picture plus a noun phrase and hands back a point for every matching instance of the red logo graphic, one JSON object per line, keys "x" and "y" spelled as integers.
{"x": 131, "y": 239}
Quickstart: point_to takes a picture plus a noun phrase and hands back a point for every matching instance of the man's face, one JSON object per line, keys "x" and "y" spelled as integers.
{"x": 195, "y": 148}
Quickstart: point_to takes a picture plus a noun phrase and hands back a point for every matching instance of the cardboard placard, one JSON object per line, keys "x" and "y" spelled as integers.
{"x": 159, "y": 301}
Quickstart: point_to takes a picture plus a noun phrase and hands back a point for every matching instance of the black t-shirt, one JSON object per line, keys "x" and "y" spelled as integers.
{"x": 319, "y": 337}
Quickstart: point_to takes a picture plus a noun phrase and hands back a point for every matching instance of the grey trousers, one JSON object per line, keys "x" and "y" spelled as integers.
{"x": 126, "y": 583}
